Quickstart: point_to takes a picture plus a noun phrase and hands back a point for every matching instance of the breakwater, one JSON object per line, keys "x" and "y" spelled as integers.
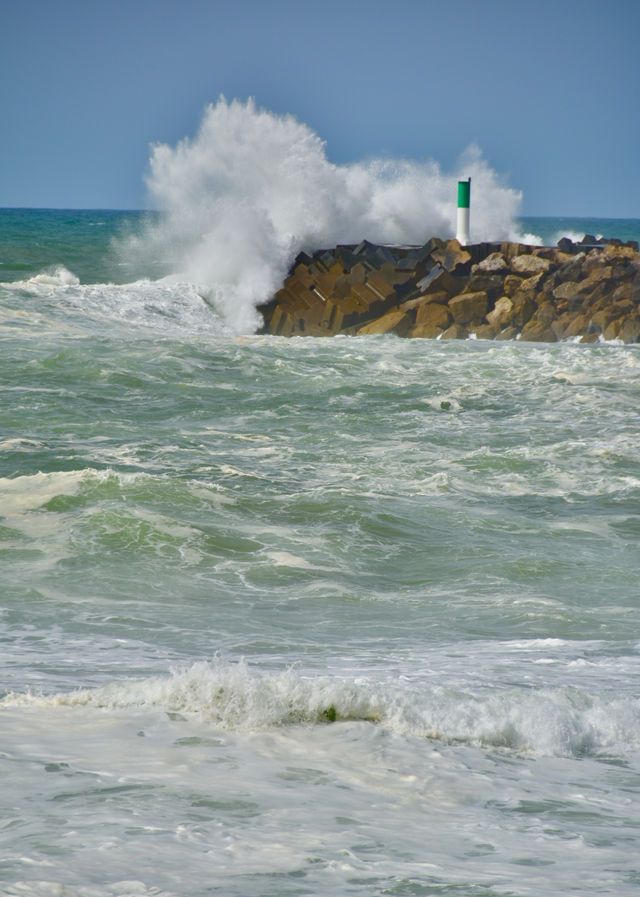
{"x": 584, "y": 291}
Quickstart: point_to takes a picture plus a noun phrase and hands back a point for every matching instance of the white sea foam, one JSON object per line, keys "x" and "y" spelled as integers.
{"x": 169, "y": 305}
{"x": 54, "y": 889}
{"x": 252, "y": 189}
{"x": 55, "y": 277}
{"x": 564, "y": 722}
{"x": 573, "y": 235}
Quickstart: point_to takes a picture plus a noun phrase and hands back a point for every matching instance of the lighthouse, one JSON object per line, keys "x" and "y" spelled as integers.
{"x": 464, "y": 197}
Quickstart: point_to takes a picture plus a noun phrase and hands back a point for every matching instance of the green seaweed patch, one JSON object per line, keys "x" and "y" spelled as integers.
{"x": 329, "y": 714}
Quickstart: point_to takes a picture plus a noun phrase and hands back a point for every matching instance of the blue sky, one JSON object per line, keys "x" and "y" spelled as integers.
{"x": 548, "y": 90}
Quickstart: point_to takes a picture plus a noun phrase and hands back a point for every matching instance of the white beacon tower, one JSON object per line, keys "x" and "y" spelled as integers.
{"x": 464, "y": 196}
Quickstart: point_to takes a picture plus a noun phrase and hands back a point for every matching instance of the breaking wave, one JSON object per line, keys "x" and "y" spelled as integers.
{"x": 252, "y": 189}
{"x": 549, "y": 722}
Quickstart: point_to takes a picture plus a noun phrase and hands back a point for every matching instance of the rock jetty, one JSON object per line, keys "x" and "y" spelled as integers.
{"x": 584, "y": 291}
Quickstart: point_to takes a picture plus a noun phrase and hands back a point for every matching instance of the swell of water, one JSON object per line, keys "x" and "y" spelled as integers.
{"x": 252, "y": 189}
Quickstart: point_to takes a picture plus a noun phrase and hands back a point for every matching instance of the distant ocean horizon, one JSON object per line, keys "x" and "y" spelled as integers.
{"x": 282, "y": 617}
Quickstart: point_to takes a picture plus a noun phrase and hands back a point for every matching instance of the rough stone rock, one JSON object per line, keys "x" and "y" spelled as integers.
{"x": 595, "y": 270}
{"x": 456, "y": 331}
{"x": 567, "y": 290}
{"x": 579, "y": 291}
{"x": 493, "y": 263}
{"x": 512, "y": 282}
{"x": 572, "y": 268}
{"x": 507, "y": 333}
{"x": 536, "y": 331}
{"x": 395, "y": 321}
{"x": 486, "y": 331}
{"x": 469, "y": 308}
{"x": 425, "y": 331}
{"x": 606, "y": 315}
{"x": 567, "y": 245}
{"x": 439, "y": 280}
{"x": 626, "y": 290}
{"x": 613, "y": 251}
{"x": 510, "y": 250}
{"x": 500, "y": 314}
{"x": 523, "y": 309}
{"x": 630, "y": 330}
{"x": 546, "y": 311}
{"x": 440, "y": 298}
{"x": 612, "y": 329}
{"x": 560, "y": 324}
{"x": 530, "y": 264}
{"x": 434, "y": 314}
{"x": 531, "y": 284}
{"x": 578, "y": 325}
{"x": 546, "y": 252}
{"x": 452, "y": 257}
{"x": 492, "y": 284}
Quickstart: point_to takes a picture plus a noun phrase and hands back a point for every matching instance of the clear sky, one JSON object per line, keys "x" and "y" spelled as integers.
{"x": 548, "y": 90}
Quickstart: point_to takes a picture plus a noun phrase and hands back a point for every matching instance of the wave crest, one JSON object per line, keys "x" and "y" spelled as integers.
{"x": 549, "y": 722}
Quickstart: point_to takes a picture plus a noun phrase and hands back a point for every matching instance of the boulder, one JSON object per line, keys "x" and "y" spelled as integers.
{"x": 531, "y": 284}
{"x": 439, "y": 280}
{"x": 613, "y": 310}
{"x": 529, "y": 265}
{"x": 577, "y": 325}
{"x": 560, "y": 324}
{"x": 566, "y": 290}
{"x": 501, "y": 312}
{"x": 507, "y": 333}
{"x": 523, "y": 309}
{"x": 440, "y": 298}
{"x": 486, "y": 331}
{"x": 492, "y": 284}
{"x": 452, "y": 257}
{"x": 511, "y": 283}
{"x": 456, "y": 331}
{"x": 630, "y": 328}
{"x": 434, "y": 314}
{"x": 612, "y": 251}
{"x": 395, "y": 321}
{"x": 494, "y": 262}
{"x": 468, "y": 308}
{"x": 546, "y": 311}
{"x": 572, "y": 268}
{"x": 628, "y": 290}
{"x": 425, "y": 331}
{"x": 536, "y": 331}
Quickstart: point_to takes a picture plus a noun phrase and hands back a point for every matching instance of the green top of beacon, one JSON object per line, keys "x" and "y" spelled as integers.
{"x": 464, "y": 194}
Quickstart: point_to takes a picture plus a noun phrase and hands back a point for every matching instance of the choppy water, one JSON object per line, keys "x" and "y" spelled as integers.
{"x": 328, "y": 617}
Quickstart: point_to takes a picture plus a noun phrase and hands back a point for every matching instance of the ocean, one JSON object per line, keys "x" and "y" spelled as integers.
{"x": 350, "y": 616}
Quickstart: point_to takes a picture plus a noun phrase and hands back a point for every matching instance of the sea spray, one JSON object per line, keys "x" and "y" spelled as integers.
{"x": 252, "y": 189}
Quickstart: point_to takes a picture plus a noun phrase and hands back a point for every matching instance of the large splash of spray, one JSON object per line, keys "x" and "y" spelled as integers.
{"x": 252, "y": 189}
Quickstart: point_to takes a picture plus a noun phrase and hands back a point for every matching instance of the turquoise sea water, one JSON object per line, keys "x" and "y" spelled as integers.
{"x": 354, "y": 616}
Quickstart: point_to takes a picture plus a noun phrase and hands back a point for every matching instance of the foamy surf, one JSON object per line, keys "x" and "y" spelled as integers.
{"x": 58, "y": 276}
{"x": 171, "y": 305}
